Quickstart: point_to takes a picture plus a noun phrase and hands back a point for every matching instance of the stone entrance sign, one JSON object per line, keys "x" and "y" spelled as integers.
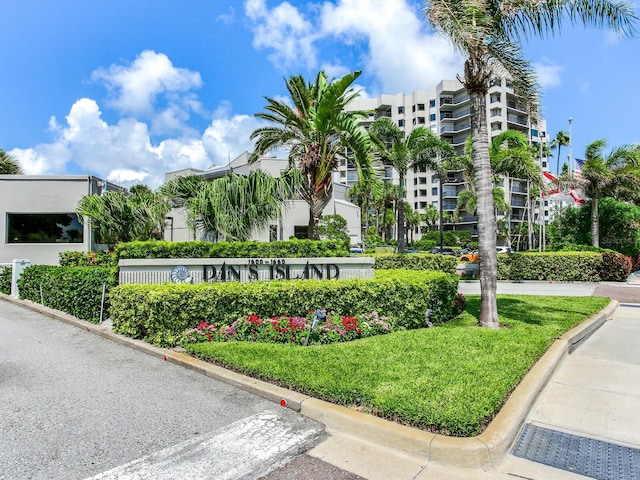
{"x": 206, "y": 270}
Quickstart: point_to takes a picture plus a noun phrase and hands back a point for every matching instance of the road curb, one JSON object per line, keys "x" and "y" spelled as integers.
{"x": 486, "y": 450}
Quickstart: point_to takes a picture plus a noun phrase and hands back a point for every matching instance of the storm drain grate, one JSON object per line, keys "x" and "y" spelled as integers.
{"x": 585, "y": 456}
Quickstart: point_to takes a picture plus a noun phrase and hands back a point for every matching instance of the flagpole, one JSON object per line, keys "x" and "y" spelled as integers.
{"x": 570, "y": 156}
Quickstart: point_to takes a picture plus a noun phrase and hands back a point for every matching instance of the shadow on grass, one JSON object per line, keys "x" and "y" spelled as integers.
{"x": 517, "y": 309}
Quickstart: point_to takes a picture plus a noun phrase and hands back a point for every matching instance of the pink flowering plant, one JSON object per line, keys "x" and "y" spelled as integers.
{"x": 293, "y": 330}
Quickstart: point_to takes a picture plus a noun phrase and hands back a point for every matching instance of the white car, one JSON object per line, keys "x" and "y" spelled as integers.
{"x": 504, "y": 250}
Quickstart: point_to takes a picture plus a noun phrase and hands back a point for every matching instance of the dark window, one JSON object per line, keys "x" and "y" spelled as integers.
{"x": 432, "y": 117}
{"x": 434, "y": 190}
{"x": 400, "y": 110}
{"x": 432, "y": 103}
{"x": 401, "y": 123}
{"x": 421, "y": 106}
{"x": 301, "y": 231}
{"x": 44, "y": 228}
{"x": 421, "y": 120}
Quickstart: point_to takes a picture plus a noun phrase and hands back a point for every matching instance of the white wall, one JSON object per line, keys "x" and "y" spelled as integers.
{"x": 41, "y": 194}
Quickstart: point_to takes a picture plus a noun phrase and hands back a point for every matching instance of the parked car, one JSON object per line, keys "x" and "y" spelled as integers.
{"x": 504, "y": 250}
{"x": 444, "y": 251}
{"x": 469, "y": 257}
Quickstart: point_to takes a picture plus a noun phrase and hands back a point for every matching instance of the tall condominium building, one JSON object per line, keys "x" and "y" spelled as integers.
{"x": 445, "y": 108}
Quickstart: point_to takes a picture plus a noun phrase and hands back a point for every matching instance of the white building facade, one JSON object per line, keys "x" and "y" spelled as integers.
{"x": 445, "y": 108}
{"x": 38, "y": 219}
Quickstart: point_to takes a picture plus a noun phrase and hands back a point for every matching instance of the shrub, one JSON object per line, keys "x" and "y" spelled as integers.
{"x": 420, "y": 261}
{"x": 88, "y": 259}
{"x": 551, "y": 266}
{"x": 615, "y": 267}
{"x": 77, "y": 290}
{"x": 5, "y": 280}
{"x": 160, "y": 314}
{"x": 281, "y": 249}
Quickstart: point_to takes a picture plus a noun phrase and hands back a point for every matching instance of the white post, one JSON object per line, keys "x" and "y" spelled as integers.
{"x": 17, "y": 267}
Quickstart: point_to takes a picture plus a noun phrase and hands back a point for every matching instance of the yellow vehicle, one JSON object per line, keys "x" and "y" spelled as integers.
{"x": 470, "y": 257}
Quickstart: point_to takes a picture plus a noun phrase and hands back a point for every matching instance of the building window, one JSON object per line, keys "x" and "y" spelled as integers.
{"x": 301, "y": 232}
{"x": 400, "y": 110}
{"x": 432, "y": 103}
{"x": 44, "y": 228}
{"x": 423, "y": 205}
{"x": 432, "y": 117}
{"x": 496, "y": 112}
{"x": 421, "y": 120}
{"x": 423, "y": 193}
{"x": 415, "y": 180}
{"x": 434, "y": 190}
{"x": 494, "y": 97}
{"x": 423, "y": 181}
{"x": 401, "y": 123}
{"x": 421, "y": 106}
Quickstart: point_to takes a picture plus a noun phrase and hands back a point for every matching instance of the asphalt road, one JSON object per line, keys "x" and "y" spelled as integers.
{"x": 74, "y": 405}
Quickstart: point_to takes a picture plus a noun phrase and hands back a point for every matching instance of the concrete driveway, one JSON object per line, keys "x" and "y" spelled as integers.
{"x": 74, "y": 405}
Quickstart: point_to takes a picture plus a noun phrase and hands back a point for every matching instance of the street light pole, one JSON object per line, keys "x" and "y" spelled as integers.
{"x": 570, "y": 156}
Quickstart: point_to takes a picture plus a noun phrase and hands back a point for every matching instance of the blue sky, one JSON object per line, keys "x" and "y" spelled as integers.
{"x": 130, "y": 90}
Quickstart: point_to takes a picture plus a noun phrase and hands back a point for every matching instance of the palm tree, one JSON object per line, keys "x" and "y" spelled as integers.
{"x": 430, "y": 216}
{"x": 365, "y": 190}
{"x": 609, "y": 175}
{"x": 412, "y": 220}
{"x": 234, "y": 206}
{"x": 318, "y": 134}
{"x": 8, "y": 164}
{"x": 561, "y": 140}
{"x": 120, "y": 217}
{"x": 421, "y": 147}
{"x": 488, "y": 34}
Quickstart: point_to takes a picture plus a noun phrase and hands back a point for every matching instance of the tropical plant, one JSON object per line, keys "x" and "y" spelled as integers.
{"x": 421, "y": 147}
{"x": 318, "y": 134}
{"x": 488, "y": 35}
{"x": 412, "y": 221}
{"x": 117, "y": 216}
{"x": 8, "y": 164}
{"x": 616, "y": 174}
{"x": 234, "y": 206}
{"x": 561, "y": 140}
{"x": 334, "y": 227}
{"x": 364, "y": 192}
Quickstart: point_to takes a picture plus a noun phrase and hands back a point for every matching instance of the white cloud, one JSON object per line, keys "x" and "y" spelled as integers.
{"x": 147, "y": 85}
{"x": 284, "y": 30}
{"x": 401, "y": 54}
{"x": 227, "y": 18}
{"x": 549, "y": 73}
{"x": 124, "y": 153}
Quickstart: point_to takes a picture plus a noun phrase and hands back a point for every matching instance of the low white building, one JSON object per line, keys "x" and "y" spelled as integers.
{"x": 38, "y": 219}
{"x": 294, "y": 220}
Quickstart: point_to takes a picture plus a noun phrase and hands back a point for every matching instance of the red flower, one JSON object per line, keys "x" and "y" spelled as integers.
{"x": 203, "y": 325}
{"x": 209, "y": 336}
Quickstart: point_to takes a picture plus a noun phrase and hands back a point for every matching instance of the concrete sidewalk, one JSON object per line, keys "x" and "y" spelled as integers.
{"x": 594, "y": 395}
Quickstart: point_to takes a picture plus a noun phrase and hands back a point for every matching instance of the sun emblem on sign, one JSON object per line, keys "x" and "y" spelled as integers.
{"x": 180, "y": 274}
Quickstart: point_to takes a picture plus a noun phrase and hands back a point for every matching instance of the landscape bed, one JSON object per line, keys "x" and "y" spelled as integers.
{"x": 451, "y": 379}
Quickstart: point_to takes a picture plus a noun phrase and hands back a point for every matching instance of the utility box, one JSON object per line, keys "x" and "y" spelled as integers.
{"x": 17, "y": 267}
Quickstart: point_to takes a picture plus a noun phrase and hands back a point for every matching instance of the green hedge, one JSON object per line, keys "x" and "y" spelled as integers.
{"x": 88, "y": 259}
{"x": 564, "y": 266}
{"x": 160, "y": 314}
{"x": 5, "y": 280}
{"x": 77, "y": 291}
{"x": 417, "y": 261}
{"x": 281, "y": 249}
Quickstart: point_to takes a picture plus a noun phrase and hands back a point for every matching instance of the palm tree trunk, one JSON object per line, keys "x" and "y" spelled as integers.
{"x": 595, "y": 223}
{"x": 401, "y": 242}
{"x": 486, "y": 211}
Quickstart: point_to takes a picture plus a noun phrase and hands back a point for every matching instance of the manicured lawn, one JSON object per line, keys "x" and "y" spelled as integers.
{"x": 451, "y": 379}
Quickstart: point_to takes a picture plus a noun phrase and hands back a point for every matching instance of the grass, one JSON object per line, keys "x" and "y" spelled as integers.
{"x": 451, "y": 379}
